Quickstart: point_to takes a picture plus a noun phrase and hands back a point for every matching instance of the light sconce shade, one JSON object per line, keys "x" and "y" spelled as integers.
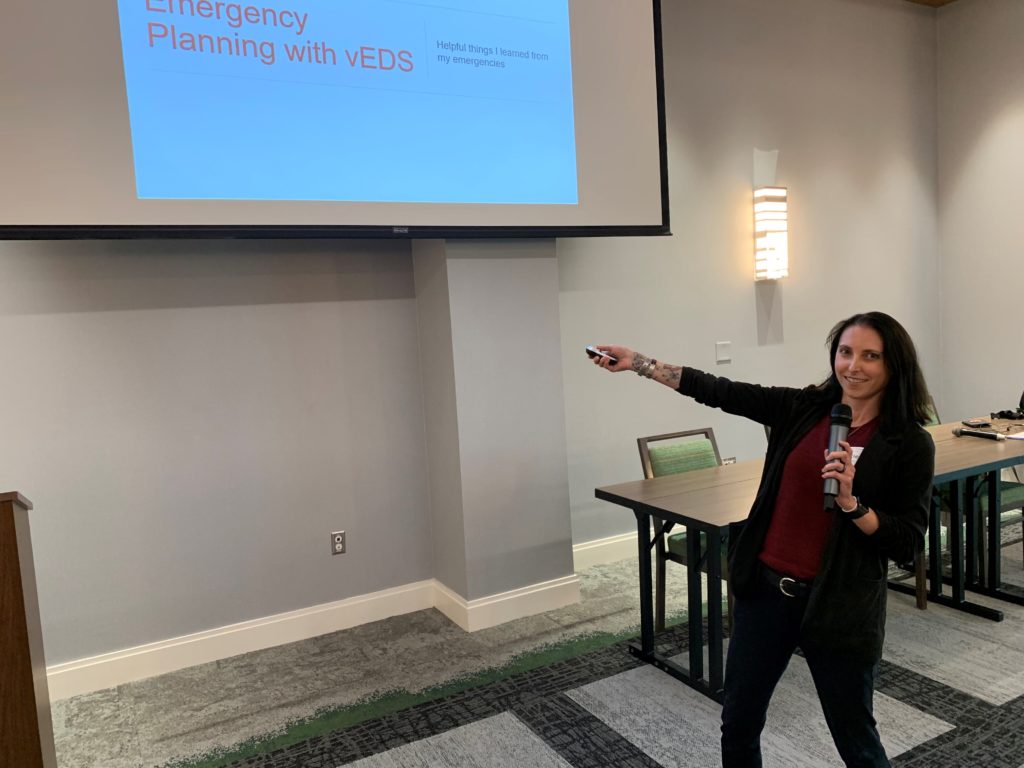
{"x": 771, "y": 233}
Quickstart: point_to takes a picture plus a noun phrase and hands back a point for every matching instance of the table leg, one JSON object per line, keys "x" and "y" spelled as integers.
{"x": 975, "y": 566}
{"x": 694, "y": 602}
{"x": 995, "y": 550}
{"x": 645, "y": 649}
{"x": 715, "y": 639}
{"x": 992, "y": 584}
{"x": 935, "y": 577}
{"x": 956, "y": 542}
{"x": 643, "y": 538}
{"x": 935, "y": 552}
{"x": 660, "y": 566}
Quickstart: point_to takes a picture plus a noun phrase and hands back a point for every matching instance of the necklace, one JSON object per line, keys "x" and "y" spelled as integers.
{"x": 859, "y": 427}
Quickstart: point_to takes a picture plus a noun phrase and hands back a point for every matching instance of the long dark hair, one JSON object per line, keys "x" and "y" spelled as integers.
{"x": 906, "y": 398}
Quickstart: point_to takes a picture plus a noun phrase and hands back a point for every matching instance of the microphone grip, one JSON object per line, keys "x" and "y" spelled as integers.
{"x": 836, "y": 433}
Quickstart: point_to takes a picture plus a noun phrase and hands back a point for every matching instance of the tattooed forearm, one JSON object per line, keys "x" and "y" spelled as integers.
{"x": 669, "y": 375}
{"x": 673, "y": 374}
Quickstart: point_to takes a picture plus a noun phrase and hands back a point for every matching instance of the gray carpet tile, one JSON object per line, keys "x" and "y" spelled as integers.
{"x": 994, "y": 742}
{"x": 679, "y": 727}
{"x": 985, "y": 735}
{"x": 496, "y": 742}
{"x": 975, "y": 655}
{"x": 669, "y": 721}
{"x": 107, "y": 732}
{"x": 582, "y": 739}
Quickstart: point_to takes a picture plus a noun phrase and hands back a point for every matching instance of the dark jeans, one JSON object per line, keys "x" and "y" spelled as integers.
{"x": 766, "y": 632}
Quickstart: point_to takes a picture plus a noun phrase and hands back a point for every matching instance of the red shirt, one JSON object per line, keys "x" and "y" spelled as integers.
{"x": 799, "y": 526}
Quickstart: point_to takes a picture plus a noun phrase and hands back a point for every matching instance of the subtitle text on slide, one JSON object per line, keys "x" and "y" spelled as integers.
{"x": 494, "y": 56}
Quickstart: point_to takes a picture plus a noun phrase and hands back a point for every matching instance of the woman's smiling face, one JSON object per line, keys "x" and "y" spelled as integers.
{"x": 860, "y": 364}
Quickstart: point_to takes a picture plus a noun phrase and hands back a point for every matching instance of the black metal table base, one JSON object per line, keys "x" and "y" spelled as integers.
{"x": 703, "y": 544}
{"x": 961, "y": 605}
{"x": 678, "y": 671}
{"x": 998, "y": 593}
{"x": 975, "y": 559}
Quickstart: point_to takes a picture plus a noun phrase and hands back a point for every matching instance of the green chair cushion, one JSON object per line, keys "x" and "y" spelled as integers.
{"x": 676, "y": 545}
{"x": 1011, "y": 496}
{"x": 682, "y": 457}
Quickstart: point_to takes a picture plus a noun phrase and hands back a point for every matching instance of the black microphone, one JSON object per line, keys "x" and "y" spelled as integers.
{"x": 961, "y": 432}
{"x": 842, "y": 418}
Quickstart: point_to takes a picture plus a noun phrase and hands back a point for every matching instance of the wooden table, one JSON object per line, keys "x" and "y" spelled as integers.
{"x": 708, "y": 500}
{"x": 965, "y": 463}
{"x": 703, "y": 501}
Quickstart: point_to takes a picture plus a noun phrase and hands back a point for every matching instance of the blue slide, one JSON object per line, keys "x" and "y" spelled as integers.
{"x": 450, "y": 101}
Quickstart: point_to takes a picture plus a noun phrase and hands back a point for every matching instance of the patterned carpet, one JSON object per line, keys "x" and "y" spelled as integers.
{"x": 950, "y": 695}
{"x": 556, "y": 689}
{"x": 604, "y": 709}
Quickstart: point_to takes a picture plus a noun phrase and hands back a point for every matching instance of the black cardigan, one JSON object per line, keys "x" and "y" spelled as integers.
{"x": 846, "y": 608}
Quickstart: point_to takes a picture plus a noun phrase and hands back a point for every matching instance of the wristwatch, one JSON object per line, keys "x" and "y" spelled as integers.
{"x": 858, "y": 511}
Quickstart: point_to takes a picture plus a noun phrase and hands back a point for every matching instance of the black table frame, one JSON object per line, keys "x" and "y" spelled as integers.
{"x": 704, "y": 548}
{"x": 696, "y": 552}
{"x": 970, "y": 553}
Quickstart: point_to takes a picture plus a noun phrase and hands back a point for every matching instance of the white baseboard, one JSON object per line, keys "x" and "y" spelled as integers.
{"x": 111, "y": 669}
{"x": 484, "y": 612}
{"x": 600, "y": 551}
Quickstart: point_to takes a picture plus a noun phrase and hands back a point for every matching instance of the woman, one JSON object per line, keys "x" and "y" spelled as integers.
{"x": 801, "y": 576}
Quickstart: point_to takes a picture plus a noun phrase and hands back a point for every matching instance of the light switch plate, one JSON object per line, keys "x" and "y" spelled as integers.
{"x": 723, "y": 351}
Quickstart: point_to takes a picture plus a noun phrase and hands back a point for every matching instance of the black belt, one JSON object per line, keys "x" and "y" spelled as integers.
{"x": 787, "y": 585}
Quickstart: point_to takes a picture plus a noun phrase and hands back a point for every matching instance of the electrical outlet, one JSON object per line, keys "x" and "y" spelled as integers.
{"x": 338, "y": 543}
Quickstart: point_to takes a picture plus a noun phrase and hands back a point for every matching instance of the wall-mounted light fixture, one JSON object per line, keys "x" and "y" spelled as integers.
{"x": 771, "y": 233}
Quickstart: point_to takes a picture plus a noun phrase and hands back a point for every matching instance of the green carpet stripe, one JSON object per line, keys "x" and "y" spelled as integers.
{"x": 394, "y": 701}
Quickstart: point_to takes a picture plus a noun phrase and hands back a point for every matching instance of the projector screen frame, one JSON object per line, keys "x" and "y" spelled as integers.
{"x": 381, "y": 231}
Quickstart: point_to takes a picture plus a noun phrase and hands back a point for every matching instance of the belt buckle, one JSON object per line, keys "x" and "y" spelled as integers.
{"x": 782, "y": 586}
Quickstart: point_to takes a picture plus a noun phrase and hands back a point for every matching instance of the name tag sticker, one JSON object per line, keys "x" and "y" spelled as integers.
{"x": 855, "y": 452}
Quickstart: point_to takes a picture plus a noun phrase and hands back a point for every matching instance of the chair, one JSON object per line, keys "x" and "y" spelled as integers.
{"x": 670, "y": 454}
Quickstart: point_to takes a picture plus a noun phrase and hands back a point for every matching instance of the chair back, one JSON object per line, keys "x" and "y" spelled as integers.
{"x": 677, "y": 452}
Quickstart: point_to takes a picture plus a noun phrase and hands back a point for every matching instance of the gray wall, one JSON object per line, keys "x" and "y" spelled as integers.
{"x": 490, "y": 361}
{"x": 981, "y": 168}
{"x": 192, "y": 419}
{"x": 444, "y": 465}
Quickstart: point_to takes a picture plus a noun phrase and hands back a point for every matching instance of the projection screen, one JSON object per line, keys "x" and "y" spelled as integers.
{"x": 388, "y": 118}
